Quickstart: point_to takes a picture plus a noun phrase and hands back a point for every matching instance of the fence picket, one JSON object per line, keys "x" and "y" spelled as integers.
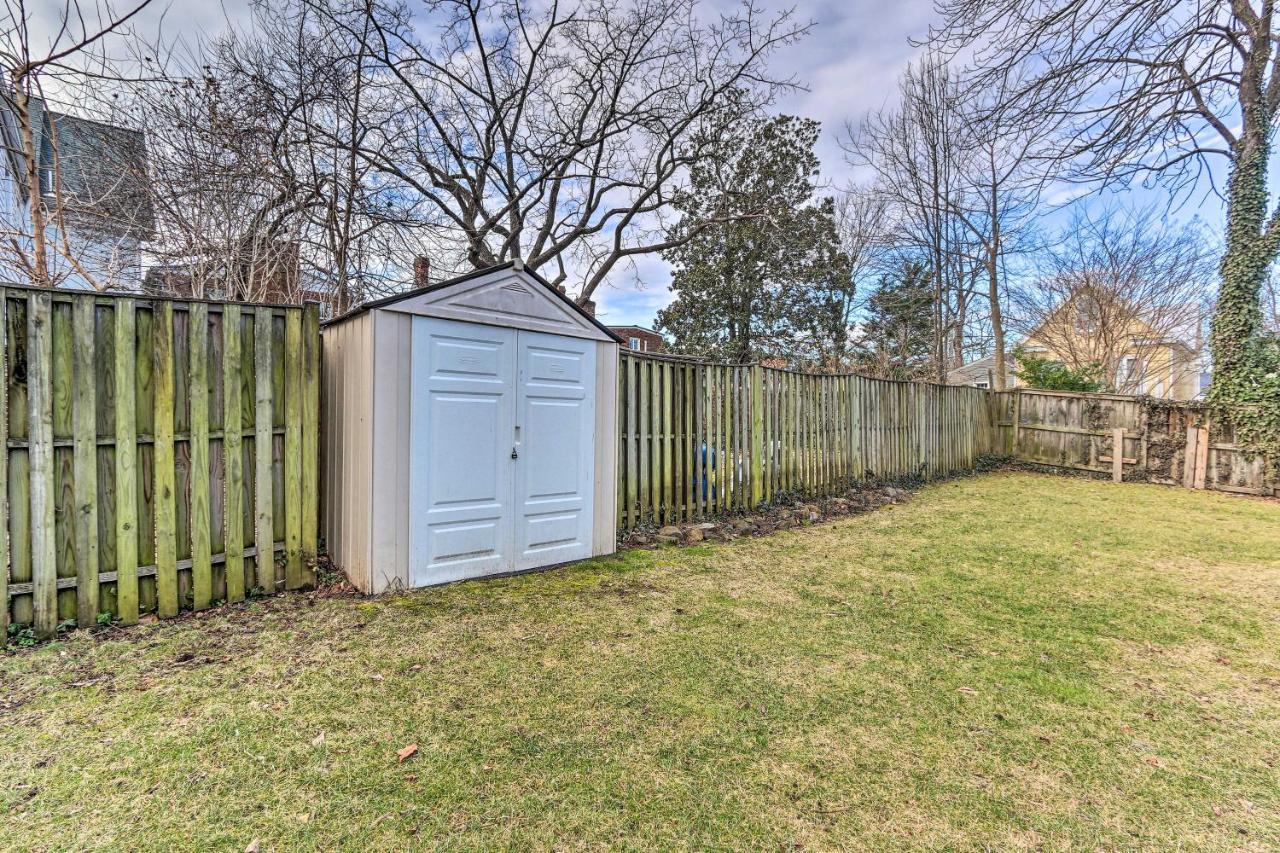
{"x": 232, "y": 454}
{"x": 85, "y": 452}
{"x": 293, "y": 358}
{"x": 198, "y": 383}
{"x": 706, "y": 439}
{"x": 263, "y": 439}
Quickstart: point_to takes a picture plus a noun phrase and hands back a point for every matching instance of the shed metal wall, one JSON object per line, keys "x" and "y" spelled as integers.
{"x": 346, "y": 433}
{"x": 389, "y": 525}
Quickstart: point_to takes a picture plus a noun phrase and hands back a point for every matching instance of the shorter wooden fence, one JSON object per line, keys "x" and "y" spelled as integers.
{"x": 1175, "y": 443}
{"x": 156, "y": 454}
{"x": 702, "y": 439}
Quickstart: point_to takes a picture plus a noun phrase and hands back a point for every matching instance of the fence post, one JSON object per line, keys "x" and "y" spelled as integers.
{"x": 44, "y": 571}
{"x": 757, "y": 435}
{"x": 1117, "y": 455}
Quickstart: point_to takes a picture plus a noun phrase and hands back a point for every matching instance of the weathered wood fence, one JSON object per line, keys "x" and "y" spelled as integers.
{"x": 158, "y": 454}
{"x": 700, "y": 439}
{"x": 1161, "y": 441}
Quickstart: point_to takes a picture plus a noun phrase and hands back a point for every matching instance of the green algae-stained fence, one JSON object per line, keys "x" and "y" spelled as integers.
{"x": 156, "y": 449}
{"x": 700, "y": 439}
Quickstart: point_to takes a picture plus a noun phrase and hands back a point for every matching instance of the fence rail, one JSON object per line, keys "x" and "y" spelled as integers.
{"x": 151, "y": 452}
{"x": 1174, "y": 443}
{"x": 699, "y": 439}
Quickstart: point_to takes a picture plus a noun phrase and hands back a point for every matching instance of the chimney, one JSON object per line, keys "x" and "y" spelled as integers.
{"x": 590, "y": 307}
{"x": 421, "y": 271}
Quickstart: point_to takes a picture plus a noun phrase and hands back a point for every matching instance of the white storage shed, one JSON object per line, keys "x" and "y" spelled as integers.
{"x": 469, "y": 429}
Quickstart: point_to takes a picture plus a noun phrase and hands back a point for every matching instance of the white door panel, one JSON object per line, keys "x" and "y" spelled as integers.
{"x": 556, "y": 424}
{"x": 461, "y": 420}
{"x": 501, "y": 450}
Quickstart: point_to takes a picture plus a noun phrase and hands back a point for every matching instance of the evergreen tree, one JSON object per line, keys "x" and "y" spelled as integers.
{"x": 896, "y": 338}
{"x": 768, "y": 279}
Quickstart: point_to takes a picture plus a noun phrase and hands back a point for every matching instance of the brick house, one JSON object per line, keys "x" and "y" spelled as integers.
{"x": 640, "y": 339}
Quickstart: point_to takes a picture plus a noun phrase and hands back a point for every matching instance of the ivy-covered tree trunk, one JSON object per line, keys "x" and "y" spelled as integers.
{"x": 1249, "y": 252}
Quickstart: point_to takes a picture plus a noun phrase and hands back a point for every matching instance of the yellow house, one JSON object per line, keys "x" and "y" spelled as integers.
{"x": 1153, "y": 352}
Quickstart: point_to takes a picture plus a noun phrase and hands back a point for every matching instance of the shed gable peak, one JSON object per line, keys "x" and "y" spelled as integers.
{"x": 507, "y": 297}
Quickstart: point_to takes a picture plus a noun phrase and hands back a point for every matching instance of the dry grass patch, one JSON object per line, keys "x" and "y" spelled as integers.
{"x": 1007, "y": 661}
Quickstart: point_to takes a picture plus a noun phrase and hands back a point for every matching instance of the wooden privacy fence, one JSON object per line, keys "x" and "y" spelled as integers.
{"x": 700, "y": 439}
{"x": 158, "y": 454}
{"x": 1175, "y": 443}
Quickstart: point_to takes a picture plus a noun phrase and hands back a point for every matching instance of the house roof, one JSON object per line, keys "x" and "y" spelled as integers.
{"x": 101, "y": 167}
{"x": 398, "y": 299}
{"x": 1183, "y": 333}
{"x": 977, "y": 367}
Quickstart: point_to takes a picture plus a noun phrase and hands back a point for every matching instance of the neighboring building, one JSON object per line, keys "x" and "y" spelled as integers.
{"x": 640, "y": 339}
{"x": 1134, "y": 355}
{"x": 981, "y": 373}
{"x": 104, "y": 203}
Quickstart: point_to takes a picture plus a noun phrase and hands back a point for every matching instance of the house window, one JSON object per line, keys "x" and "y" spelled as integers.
{"x": 634, "y": 343}
{"x": 1130, "y": 370}
{"x": 981, "y": 384}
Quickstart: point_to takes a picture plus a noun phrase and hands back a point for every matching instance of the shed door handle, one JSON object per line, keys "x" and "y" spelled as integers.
{"x": 514, "y": 454}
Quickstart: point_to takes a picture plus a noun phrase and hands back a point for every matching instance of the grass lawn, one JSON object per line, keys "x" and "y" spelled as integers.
{"x": 1012, "y": 660}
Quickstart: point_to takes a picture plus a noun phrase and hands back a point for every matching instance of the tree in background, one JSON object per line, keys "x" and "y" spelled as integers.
{"x": 256, "y": 174}
{"x": 1155, "y": 89}
{"x": 559, "y": 134}
{"x": 896, "y": 339}
{"x": 914, "y": 151}
{"x": 960, "y": 181}
{"x": 770, "y": 281}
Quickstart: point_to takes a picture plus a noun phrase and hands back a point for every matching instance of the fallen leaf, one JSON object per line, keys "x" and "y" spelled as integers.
{"x": 253, "y": 846}
{"x": 318, "y": 739}
{"x": 1217, "y": 810}
{"x": 377, "y": 676}
{"x": 1153, "y": 760}
{"x": 968, "y": 691}
{"x": 407, "y": 752}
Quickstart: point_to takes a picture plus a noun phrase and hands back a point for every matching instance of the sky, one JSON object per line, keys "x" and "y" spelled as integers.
{"x": 847, "y": 66}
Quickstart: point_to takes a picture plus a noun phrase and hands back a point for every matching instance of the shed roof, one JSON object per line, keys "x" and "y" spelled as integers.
{"x": 508, "y": 294}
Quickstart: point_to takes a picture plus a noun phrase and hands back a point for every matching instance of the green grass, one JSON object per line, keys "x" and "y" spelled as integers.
{"x": 1012, "y": 660}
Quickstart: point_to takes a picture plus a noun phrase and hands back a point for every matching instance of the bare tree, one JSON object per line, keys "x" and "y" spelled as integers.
{"x": 1115, "y": 290}
{"x": 914, "y": 151}
{"x": 558, "y": 134}
{"x": 260, "y": 187}
{"x": 1150, "y": 89}
{"x": 68, "y": 175}
{"x": 965, "y": 179}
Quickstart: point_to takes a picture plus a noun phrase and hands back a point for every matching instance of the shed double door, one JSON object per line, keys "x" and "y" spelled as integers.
{"x": 501, "y": 450}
